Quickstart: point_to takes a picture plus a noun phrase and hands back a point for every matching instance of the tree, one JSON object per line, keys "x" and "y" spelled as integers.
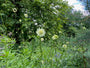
{"x": 73, "y": 22}
{"x": 87, "y": 4}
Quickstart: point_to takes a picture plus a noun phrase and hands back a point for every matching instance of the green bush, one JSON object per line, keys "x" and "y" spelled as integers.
{"x": 22, "y": 18}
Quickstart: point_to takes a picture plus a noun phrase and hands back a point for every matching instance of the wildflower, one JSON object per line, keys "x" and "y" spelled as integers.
{"x": 10, "y": 33}
{"x": 67, "y": 42}
{"x": 53, "y": 60}
{"x": 64, "y": 46}
{"x": 57, "y": 6}
{"x": 42, "y": 39}
{"x": 54, "y": 12}
{"x": 30, "y": 31}
{"x": 34, "y": 20}
{"x": 14, "y": 10}
{"x": 19, "y": 47}
{"x": 60, "y": 31}
{"x": 49, "y": 33}
{"x": 50, "y": 58}
{"x": 26, "y": 15}
{"x": 22, "y": 32}
{"x": 42, "y": 61}
{"x": 84, "y": 28}
{"x": 36, "y": 23}
{"x": 55, "y": 37}
{"x": 20, "y": 20}
{"x": 40, "y": 32}
{"x": 58, "y": 55}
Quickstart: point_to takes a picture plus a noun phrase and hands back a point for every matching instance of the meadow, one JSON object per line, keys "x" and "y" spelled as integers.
{"x": 64, "y": 52}
{"x": 43, "y": 34}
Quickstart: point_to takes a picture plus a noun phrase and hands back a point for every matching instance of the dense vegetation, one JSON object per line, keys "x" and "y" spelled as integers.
{"x": 43, "y": 34}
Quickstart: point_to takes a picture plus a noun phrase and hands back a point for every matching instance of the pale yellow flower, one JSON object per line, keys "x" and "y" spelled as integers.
{"x": 19, "y": 47}
{"x": 67, "y": 42}
{"x": 42, "y": 61}
{"x": 42, "y": 39}
{"x": 84, "y": 28}
{"x": 40, "y": 32}
{"x": 26, "y": 15}
{"x": 55, "y": 37}
{"x": 64, "y": 46}
{"x": 14, "y": 10}
{"x": 20, "y": 20}
{"x": 60, "y": 31}
{"x": 50, "y": 58}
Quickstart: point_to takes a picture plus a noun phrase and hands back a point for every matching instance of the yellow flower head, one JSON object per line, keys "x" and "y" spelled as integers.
{"x": 64, "y": 46}
{"x": 40, "y": 32}
{"x": 14, "y": 10}
{"x": 55, "y": 37}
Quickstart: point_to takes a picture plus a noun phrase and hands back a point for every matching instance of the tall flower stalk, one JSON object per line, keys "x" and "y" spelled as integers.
{"x": 40, "y": 32}
{"x": 55, "y": 37}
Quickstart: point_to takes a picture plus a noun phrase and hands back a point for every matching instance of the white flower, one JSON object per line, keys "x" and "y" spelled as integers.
{"x": 55, "y": 37}
{"x": 34, "y": 20}
{"x": 26, "y": 15}
{"x": 14, "y": 10}
{"x": 42, "y": 39}
{"x": 54, "y": 12}
{"x": 57, "y": 6}
{"x": 10, "y": 33}
{"x": 36, "y": 23}
{"x": 40, "y": 32}
{"x": 64, "y": 46}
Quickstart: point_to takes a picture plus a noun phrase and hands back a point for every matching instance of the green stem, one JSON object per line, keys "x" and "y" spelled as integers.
{"x": 41, "y": 49}
{"x": 56, "y": 52}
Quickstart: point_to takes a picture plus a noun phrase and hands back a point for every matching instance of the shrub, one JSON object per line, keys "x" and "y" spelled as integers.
{"x": 23, "y": 18}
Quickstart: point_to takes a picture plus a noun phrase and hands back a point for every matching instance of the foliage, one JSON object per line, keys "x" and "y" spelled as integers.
{"x": 41, "y": 31}
{"x": 87, "y": 4}
{"x": 86, "y": 22}
{"x": 6, "y": 41}
{"x": 22, "y": 18}
{"x": 74, "y": 20}
{"x": 38, "y": 54}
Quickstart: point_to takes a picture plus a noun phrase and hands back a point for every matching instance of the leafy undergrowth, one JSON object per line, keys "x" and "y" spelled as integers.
{"x": 83, "y": 39}
{"x": 64, "y": 52}
{"x": 58, "y": 53}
